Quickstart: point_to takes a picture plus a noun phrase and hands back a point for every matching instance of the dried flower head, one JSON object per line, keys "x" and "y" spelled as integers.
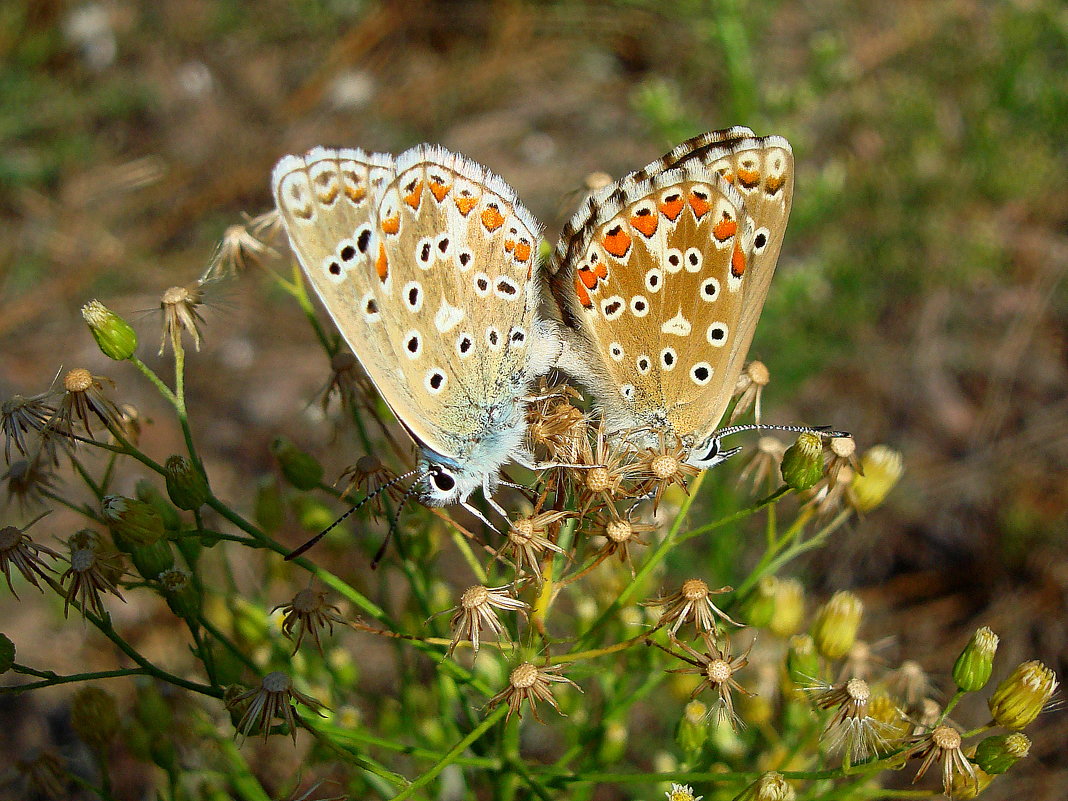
{"x": 851, "y": 728}
{"x": 769, "y": 787}
{"x": 370, "y": 476}
{"x": 602, "y": 478}
{"x": 21, "y": 415}
{"x": 681, "y": 792}
{"x": 274, "y": 698}
{"x": 909, "y": 683}
{"x": 751, "y": 382}
{"x": 29, "y": 481}
{"x": 345, "y": 375}
{"x": 26, "y": 556}
{"x": 555, "y": 428}
{"x": 762, "y": 470}
{"x": 240, "y": 248}
{"x": 91, "y": 573}
{"x": 529, "y": 539}
{"x": 83, "y": 402}
{"x": 476, "y": 611}
{"x": 941, "y": 744}
{"x": 45, "y": 775}
{"x": 842, "y": 463}
{"x": 180, "y": 306}
{"x": 530, "y": 683}
{"x": 620, "y": 534}
{"x": 692, "y": 601}
{"x": 862, "y": 660}
{"x": 717, "y": 667}
{"x": 659, "y": 468}
{"x": 308, "y": 612}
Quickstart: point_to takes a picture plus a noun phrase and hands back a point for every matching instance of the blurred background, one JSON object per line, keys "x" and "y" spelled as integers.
{"x": 920, "y": 300}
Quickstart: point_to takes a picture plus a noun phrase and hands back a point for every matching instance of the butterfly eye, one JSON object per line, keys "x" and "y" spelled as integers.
{"x": 443, "y": 481}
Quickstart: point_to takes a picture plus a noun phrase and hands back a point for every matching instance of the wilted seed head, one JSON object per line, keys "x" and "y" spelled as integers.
{"x": 770, "y": 787}
{"x": 84, "y": 402}
{"x": 749, "y": 388}
{"x": 78, "y": 380}
{"x": 29, "y": 481}
{"x": 598, "y": 479}
{"x": 851, "y": 728}
{"x": 763, "y": 466}
{"x": 90, "y": 574}
{"x": 18, "y": 550}
{"x": 274, "y": 698}
{"x": 180, "y": 306}
{"x": 530, "y": 683}
{"x": 476, "y": 611}
{"x": 881, "y": 469}
{"x": 1021, "y": 696}
{"x": 307, "y": 613}
{"x": 240, "y": 248}
{"x": 941, "y": 744}
{"x": 20, "y": 416}
{"x": 693, "y": 602}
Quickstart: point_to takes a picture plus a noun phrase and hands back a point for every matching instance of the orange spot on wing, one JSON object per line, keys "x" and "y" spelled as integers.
{"x": 382, "y": 263}
{"x": 583, "y": 295}
{"x": 773, "y": 184}
{"x": 700, "y": 205}
{"x": 727, "y": 176}
{"x": 492, "y": 219}
{"x": 601, "y": 270}
{"x": 465, "y": 204}
{"x": 522, "y": 252}
{"x": 588, "y": 278}
{"x": 509, "y": 245}
{"x": 617, "y": 242}
{"x": 749, "y": 178}
{"x": 645, "y": 224}
{"x": 355, "y": 193}
{"x": 737, "y": 262}
{"x": 391, "y": 225}
{"x": 415, "y": 196}
{"x": 439, "y": 190}
{"x": 725, "y": 229}
{"x": 672, "y": 208}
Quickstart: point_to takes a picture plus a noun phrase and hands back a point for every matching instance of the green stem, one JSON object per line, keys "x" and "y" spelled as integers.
{"x": 51, "y": 679}
{"x": 453, "y": 753}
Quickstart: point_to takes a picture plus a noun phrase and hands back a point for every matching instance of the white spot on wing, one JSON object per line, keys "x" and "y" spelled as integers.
{"x": 717, "y": 335}
{"x": 677, "y": 325}
{"x": 448, "y": 317}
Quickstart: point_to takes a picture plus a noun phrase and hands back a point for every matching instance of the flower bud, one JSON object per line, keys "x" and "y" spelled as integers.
{"x": 180, "y": 592}
{"x": 802, "y": 661}
{"x": 972, "y": 669}
{"x": 770, "y": 787}
{"x": 613, "y": 742}
{"x": 152, "y": 709}
{"x": 132, "y": 522}
{"x": 269, "y": 510}
{"x": 146, "y": 491}
{"x": 94, "y": 716}
{"x": 964, "y": 786}
{"x": 789, "y": 608}
{"x": 835, "y": 628}
{"x": 185, "y": 483}
{"x": 114, "y": 336}
{"x": 692, "y": 730}
{"x": 802, "y": 464}
{"x": 1021, "y": 696}
{"x": 301, "y": 469}
{"x": 151, "y": 560}
{"x": 999, "y": 753}
{"x": 881, "y": 468}
{"x": 137, "y": 740}
{"x": 7, "y": 654}
{"x": 761, "y": 604}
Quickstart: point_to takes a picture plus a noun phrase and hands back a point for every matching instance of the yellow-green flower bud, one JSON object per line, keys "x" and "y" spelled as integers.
{"x": 152, "y": 709}
{"x": 94, "y": 716}
{"x": 7, "y": 654}
{"x": 836, "y": 624}
{"x": 789, "y": 609}
{"x": 1021, "y": 696}
{"x": 151, "y": 560}
{"x": 113, "y": 334}
{"x": 770, "y": 787}
{"x": 180, "y": 592}
{"x": 802, "y": 661}
{"x": 966, "y": 787}
{"x": 692, "y": 730}
{"x": 999, "y": 753}
{"x": 972, "y": 669}
{"x": 613, "y": 742}
{"x": 185, "y": 483}
{"x": 313, "y": 514}
{"x": 882, "y": 708}
{"x": 137, "y": 740}
{"x": 132, "y": 522}
{"x": 881, "y": 468}
{"x": 761, "y": 604}
{"x": 802, "y": 464}
{"x": 146, "y": 491}
{"x": 269, "y": 511}
{"x": 301, "y": 469}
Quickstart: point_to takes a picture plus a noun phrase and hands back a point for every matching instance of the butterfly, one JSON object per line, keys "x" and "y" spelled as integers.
{"x": 660, "y": 278}
{"x": 427, "y": 263}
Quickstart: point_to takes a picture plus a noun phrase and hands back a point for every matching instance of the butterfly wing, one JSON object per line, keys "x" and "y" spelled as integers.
{"x": 456, "y": 258}
{"x": 661, "y": 276}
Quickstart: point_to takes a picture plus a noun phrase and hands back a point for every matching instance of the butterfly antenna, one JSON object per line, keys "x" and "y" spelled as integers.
{"x": 393, "y": 521}
{"x": 303, "y": 548}
{"x": 825, "y": 431}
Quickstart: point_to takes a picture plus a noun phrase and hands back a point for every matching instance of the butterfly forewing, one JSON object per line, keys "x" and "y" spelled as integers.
{"x": 459, "y": 252}
{"x": 686, "y": 247}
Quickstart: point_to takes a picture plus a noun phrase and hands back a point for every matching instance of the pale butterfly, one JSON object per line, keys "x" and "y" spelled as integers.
{"x": 660, "y": 278}
{"x": 427, "y": 263}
